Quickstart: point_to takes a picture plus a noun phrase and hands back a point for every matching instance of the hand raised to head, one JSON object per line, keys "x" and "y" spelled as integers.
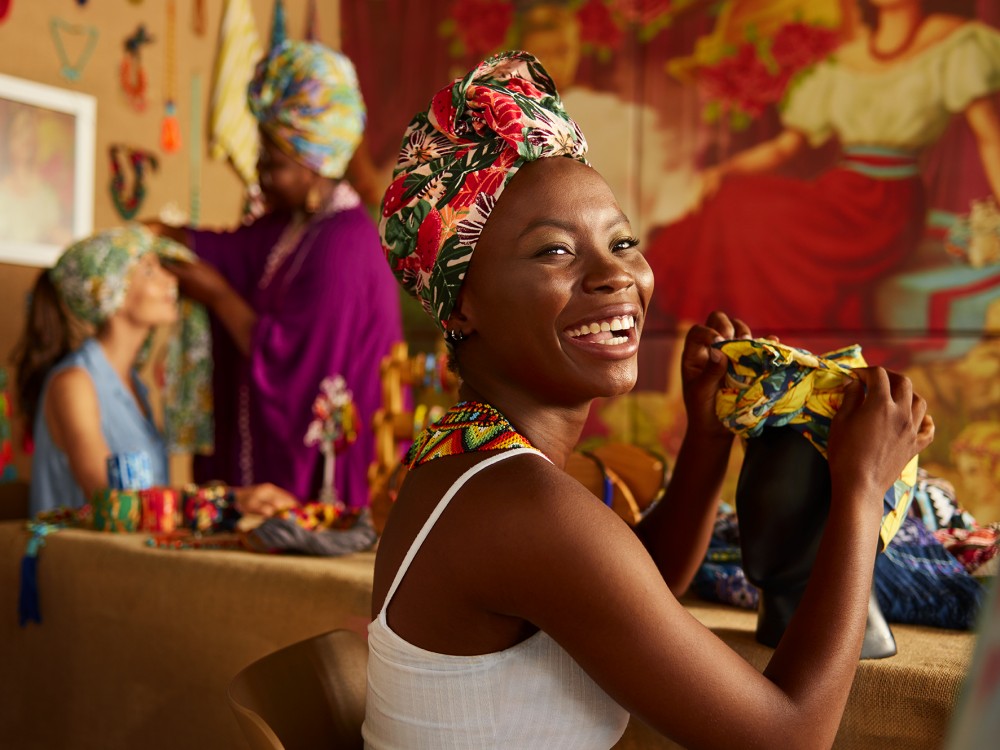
{"x": 703, "y": 368}
{"x": 879, "y": 427}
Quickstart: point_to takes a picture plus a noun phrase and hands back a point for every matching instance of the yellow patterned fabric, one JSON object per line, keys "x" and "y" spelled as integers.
{"x": 772, "y": 385}
{"x": 232, "y": 127}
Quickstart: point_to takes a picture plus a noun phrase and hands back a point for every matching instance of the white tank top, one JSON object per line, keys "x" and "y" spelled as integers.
{"x": 531, "y": 695}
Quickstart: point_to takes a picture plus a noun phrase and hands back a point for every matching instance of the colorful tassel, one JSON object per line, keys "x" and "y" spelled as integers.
{"x": 170, "y": 130}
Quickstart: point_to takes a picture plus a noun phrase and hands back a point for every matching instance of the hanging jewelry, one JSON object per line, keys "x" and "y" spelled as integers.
{"x": 195, "y": 150}
{"x": 198, "y": 18}
{"x": 278, "y": 25}
{"x": 72, "y": 72}
{"x": 128, "y": 205}
{"x": 312, "y": 23}
{"x": 170, "y": 130}
{"x": 133, "y": 75}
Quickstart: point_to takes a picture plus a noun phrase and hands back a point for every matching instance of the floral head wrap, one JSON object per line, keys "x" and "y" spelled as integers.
{"x": 771, "y": 385}
{"x": 454, "y": 163}
{"x": 92, "y": 275}
{"x": 306, "y": 99}
{"x": 92, "y": 278}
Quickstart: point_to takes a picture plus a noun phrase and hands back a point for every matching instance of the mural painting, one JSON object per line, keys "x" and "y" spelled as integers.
{"x": 827, "y": 170}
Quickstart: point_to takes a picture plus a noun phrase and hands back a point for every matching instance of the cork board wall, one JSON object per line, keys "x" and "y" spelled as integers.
{"x": 29, "y": 50}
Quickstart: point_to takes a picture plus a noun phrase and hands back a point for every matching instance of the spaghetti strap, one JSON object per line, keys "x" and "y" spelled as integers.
{"x": 440, "y": 508}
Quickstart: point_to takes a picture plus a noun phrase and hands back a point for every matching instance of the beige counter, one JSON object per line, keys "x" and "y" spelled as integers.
{"x": 137, "y": 646}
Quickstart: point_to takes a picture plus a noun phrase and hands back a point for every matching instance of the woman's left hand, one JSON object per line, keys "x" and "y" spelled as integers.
{"x": 703, "y": 368}
{"x": 199, "y": 281}
{"x": 263, "y": 499}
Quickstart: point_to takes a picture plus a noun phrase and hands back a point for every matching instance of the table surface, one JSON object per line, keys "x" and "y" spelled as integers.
{"x": 138, "y": 644}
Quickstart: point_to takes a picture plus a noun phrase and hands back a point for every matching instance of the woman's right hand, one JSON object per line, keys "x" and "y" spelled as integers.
{"x": 264, "y": 499}
{"x": 160, "y": 229}
{"x": 199, "y": 281}
{"x": 879, "y": 427}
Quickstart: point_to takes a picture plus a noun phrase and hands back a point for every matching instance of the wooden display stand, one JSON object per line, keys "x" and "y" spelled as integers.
{"x": 416, "y": 390}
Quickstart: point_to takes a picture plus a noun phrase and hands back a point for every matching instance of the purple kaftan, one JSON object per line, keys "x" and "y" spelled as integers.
{"x": 331, "y": 307}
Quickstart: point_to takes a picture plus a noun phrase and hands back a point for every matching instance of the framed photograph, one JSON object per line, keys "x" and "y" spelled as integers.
{"x": 47, "y": 144}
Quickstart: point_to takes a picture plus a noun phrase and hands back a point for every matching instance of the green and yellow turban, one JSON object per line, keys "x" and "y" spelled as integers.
{"x": 454, "y": 162}
{"x": 306, "y": 99}
{"x": 772, "y": 385}
{"x": 92, "y": 278}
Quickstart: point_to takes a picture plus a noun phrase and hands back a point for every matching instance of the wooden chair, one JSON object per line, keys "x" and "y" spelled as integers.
{"x": 307, "y": 695}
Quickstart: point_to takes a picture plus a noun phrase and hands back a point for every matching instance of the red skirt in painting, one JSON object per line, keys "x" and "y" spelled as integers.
{"x": 798, "y": 259}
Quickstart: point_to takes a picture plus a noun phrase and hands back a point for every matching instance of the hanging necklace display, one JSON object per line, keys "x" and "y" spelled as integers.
{"x": 128, "y": 206}
{"x": 170, "y": 129}
{"x": 198, "y": 18}
{"x": 278, "y": 24}
{"x": 133, "y": 75}
{"x": 312, "y": 23}
{"x": 58, "y": 27}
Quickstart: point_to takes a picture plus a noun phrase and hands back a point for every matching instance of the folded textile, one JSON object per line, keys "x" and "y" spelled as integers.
{"x": 976, "y": 548}
{"x": 773, "y": 385}
{"x": 919, "y": 583}
{"x": 287, "y": 535}
{"x": 916, "y": 580}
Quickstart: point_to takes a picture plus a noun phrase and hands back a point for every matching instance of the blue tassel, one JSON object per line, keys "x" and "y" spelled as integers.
{"x": 27, "y": 600}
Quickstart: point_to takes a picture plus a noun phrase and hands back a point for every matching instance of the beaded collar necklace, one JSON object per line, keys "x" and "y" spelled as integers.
{"x": 468, "y": 427}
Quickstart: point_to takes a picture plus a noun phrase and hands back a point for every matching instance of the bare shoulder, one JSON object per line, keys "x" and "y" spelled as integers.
{"x": 71, "y": 384}
{"x": 542, "y": 530}
{"x": 939, "y": 25}
{"x": 71, "y": 402}
{"x": 853, "y": 52}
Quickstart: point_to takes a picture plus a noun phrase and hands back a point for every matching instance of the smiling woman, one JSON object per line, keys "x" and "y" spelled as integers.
{"x": 510, "y": 608}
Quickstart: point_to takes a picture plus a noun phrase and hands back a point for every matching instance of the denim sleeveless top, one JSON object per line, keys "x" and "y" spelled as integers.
{"x": 125, "y": 427}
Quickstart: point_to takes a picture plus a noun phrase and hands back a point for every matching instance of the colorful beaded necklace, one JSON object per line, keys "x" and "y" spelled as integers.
{"x": 468, "y": 427}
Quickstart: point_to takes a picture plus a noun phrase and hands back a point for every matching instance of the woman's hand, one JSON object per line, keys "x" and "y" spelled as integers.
{"x": 879, "y": 427}
{"x": 199, "y": 281}
{"x": 263, "y": 499}
{"x": 160, "y": 229}
{"x": 203, "y": 283}
{"x": 703, "y": 368}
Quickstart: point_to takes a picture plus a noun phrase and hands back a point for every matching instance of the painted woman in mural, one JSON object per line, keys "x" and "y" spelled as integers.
{"x": 800, "y": 258}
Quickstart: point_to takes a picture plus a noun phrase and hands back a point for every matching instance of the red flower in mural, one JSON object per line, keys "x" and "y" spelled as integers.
{"x": 743, "y": 81}
{"x": 641, "y": 11}
{"x": 482, "y": 24}
{"x": 496, "y": 111}
{"x": 597, "y": 25}
{"x": 797, "y": 45}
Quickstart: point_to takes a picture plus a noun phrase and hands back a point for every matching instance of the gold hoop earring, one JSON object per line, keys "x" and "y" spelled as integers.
{"x": 313, "y": 199}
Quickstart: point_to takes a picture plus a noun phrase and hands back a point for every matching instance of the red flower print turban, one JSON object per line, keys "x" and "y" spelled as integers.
{"x": 454, "y": 162}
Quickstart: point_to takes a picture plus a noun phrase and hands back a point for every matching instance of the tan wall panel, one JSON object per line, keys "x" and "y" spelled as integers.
{"x": 27, "y": 50}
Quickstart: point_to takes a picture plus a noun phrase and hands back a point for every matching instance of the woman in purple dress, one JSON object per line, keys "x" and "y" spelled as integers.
{"x": 302, "y": 293}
